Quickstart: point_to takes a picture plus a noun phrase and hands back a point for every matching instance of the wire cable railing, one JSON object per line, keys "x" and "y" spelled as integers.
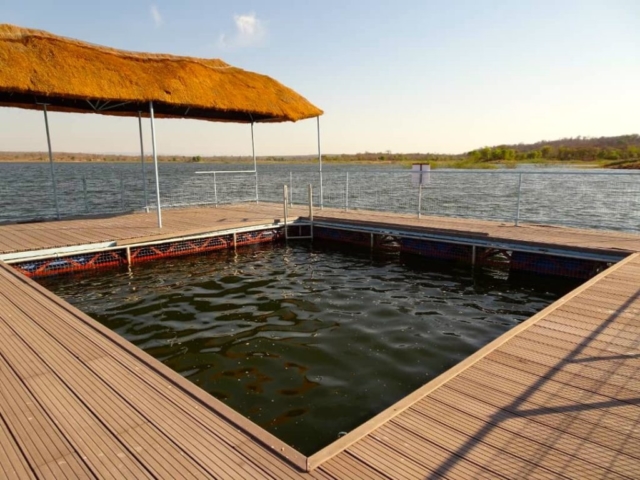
{"x": 591, "y": 199}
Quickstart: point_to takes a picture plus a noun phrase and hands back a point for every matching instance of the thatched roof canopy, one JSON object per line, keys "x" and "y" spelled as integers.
{"x": 72, "y": 76}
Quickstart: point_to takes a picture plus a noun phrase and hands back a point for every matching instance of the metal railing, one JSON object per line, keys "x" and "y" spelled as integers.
{"x": 591, "y": 199}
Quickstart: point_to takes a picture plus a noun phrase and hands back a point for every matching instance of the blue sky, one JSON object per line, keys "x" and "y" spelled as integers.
{"x": 405, "y": 76}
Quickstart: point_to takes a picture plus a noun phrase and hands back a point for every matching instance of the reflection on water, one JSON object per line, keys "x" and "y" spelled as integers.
{"x": 306, "y": 341}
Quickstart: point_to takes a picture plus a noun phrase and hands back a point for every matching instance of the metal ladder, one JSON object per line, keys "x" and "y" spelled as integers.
{"x": 286, "y": 216}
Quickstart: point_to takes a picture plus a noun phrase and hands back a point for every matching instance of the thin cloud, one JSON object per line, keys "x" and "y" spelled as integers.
{"x": 249, "y": 32}
{"x": 157, "y": 18}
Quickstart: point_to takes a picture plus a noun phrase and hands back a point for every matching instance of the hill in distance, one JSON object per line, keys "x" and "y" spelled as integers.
{"x": 622, "y": 151}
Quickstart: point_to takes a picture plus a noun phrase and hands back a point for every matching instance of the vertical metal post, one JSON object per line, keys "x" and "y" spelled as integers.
{"x": 235, "y": 241}
{"x": 215, "y": 189}
{"x": 53, "y": 172}
{"x": 473, "y": 255}
{"x": 420, "y": 200}
{"x": 285, "y": 200}
{"x": 518, "y": 204}
{"x": 155, "y": 163}
{"x": 320, "y": 165}
{"x": 311, "y": 208}
{"x": 291, "y": 188}
{"x": 144, "y": 170}
{"x": 255, "y": 163}
{"x": 346, "y": 193}
{"x": 128, "y": 250}
{"x": 84, "y": 191}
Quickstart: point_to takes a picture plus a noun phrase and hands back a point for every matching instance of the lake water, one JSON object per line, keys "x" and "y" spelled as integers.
{"x": 587, "y": 199}
{"x": 307, "y": 341}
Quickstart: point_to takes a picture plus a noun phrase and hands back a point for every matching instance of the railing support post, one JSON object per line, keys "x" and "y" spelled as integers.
{"x": 215, "y": 189}
{"x": 155, "y": 163}
{"x": 53, "y": 171}
{"x": 320, "y": 165}
{"x": 144, "y": 170}
{"x": 311, "y": 209}
{"x": 420, "y": 200}
{"x": 285, "y": 198}
{"x": 255, "y": 161}
{"x": 517, "y": 222}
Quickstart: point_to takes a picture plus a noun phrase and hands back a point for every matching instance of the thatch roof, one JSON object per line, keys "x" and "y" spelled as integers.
{"x": 73, "y": 76}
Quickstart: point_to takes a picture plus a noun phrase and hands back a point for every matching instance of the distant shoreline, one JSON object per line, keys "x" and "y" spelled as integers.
{"x": 381, "y": 159}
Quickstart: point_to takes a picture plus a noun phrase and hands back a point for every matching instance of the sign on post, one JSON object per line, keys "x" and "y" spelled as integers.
{"x": 420, "y": 173}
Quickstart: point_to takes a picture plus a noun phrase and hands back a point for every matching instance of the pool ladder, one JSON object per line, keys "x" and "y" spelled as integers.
{"x": 286, "y": 205}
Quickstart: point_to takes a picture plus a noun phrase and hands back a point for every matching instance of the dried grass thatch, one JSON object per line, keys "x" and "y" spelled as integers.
{"x": 73, "y": 76}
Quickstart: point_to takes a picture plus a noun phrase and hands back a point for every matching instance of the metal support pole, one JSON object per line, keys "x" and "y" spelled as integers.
{"x": 285, "y": 200}
{"x": 128, "y": 255}
{"x": 53, "y": 172}
{"x": 346, "y": 193}
{"x": 144, "y": 170}
{"x": 291, "y": 189}
{"x": 320, "y": 165}
{"x": 215, "y": 189}
{"x": 518, "y": 204}
{"x": 155, "y": 163}
{"x": 255, "y": 163}
{"x": 235, "y": 241}
{"x": 84, "y": 192}
{"x": 473, "y": 255}
{"x": 420, "y": 201}
{"x": 311, "y": 208}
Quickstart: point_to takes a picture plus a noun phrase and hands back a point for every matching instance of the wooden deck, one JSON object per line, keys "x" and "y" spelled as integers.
{"x": 136, "y": 227}
{"x": 140, "y": 227}
{"x": 556, "y": 397}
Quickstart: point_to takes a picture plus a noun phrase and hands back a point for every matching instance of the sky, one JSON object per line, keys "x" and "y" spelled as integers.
{"x": 403, "y": 76}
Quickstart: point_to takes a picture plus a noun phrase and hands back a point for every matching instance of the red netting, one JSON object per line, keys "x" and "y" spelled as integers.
{"x": 74, "y": 263}
{"x": 116, "y": 258}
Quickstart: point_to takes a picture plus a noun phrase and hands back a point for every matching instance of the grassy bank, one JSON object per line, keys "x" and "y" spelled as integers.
{"x": 380, "y": 159}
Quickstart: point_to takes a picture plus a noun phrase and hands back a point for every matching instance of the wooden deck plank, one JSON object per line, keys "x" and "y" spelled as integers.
{"x": 600, "y": 385}
{"x": 429, "y": 455}
{"x": 558, "y": 392}
{"x": 13, "y": 463}
{"x": 459, "y": 444}
{"x": 346, "y": 466}
{"x": 117, "y": 414}
{"x": 37, "y": 436}
{"x": 588, "y": 455}
{"x": 503, "y": 411}
{"x": 554, "y": 451}
{"x": 589, "y": 427}
{"x": 599, "y": 416}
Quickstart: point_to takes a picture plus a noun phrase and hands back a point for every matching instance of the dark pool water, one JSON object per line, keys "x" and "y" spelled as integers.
{"x": 308, "y": 342}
